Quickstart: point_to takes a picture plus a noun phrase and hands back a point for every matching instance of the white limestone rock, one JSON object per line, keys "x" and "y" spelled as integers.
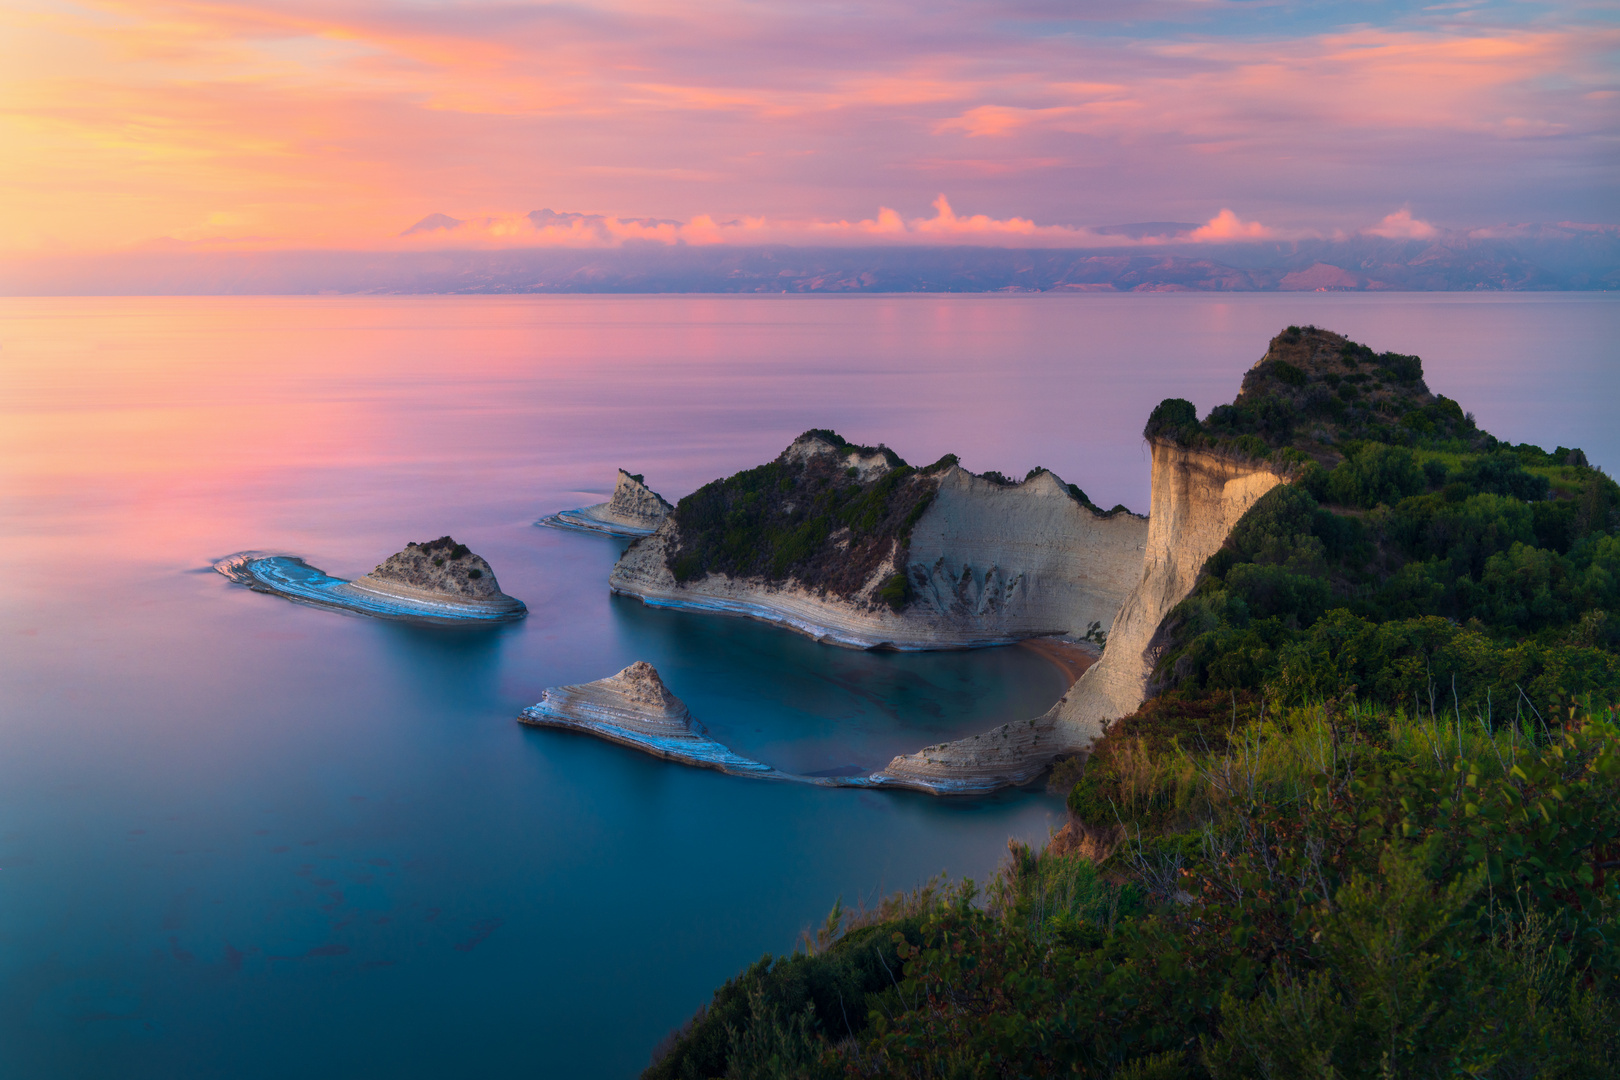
{"x": 634, "y": 510}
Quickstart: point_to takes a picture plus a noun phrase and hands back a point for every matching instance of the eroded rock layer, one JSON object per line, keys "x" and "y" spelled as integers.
{"x": 1007, "y": 561}
{"x": 1008, "y": 756}
{"x": 634, "y": 510}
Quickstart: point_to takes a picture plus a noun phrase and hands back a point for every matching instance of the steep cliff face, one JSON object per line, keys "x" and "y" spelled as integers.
{"x": 1198, "y": 496}
{"x": 854, "y": 547}
{"x": 634, "y": 510}
{"x": 1020, "y": 560}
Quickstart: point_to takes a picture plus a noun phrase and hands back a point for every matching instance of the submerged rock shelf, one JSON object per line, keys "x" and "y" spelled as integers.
{"x": 378, "y": 594}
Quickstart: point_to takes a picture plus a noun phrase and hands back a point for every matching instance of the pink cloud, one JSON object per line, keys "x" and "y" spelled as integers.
{"x": 330, "y": 124}
{"x": 1227, "y": 226}
{"x": 547, "y": 229}
{"x": 1402, "y": 225}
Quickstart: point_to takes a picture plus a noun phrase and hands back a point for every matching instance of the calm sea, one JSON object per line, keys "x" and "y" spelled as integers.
{"x": 242, "y": 838}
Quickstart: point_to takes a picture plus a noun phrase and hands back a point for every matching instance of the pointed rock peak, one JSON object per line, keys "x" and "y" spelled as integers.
{"x": 640, "y": 683}
{"x": 440, "y": 566}
{"x": 635, "y": 503}
{"x": 632, "y": 492}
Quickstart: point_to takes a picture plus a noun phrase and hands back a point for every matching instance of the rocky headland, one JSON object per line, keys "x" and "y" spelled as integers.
{"x": 1310, "y": 393}
{"x": 439, "y": 581}
{"x": 634, "y": 510}
{"x": 852, "y": 546}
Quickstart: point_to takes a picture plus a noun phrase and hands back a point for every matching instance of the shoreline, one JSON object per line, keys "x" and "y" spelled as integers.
{"x": 1069, "y": 657}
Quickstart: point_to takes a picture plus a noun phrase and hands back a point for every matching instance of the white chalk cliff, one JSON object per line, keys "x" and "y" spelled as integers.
{"x": 1198, "y": 496}
{"x": 987, "y": 564}
{"x": 634, "y": 510}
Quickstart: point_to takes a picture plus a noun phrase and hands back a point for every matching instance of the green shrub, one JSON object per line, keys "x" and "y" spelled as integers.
{"x": 1376, "y": 474}
{"x": 896, "y": 592}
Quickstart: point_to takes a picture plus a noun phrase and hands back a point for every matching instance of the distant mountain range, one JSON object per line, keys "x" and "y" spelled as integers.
{"x": 1523, "y": 257}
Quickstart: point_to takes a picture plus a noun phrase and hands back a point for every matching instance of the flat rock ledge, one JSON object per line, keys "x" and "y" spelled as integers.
{"x": 635, "y": 709}
{"x": 634, "y": 510}
{"x": 380, "y": 594}
{"x": 1011, "y": 755}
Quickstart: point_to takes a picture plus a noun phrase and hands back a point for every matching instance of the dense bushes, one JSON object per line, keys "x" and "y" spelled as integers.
{"x": 1465, "y": 586}
{"x": 1355, "y": 893}
{"x": 779, "y": 520}
{"x": 1378, "y": 474}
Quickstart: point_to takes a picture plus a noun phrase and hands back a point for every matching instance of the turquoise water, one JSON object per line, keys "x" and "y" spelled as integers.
{"x": 244, "y": 838}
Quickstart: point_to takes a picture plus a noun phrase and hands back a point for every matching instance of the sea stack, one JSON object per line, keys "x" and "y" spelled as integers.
{"x": 635, "y": 708}
{"x": 437, "y": 571}
{"x": 440, "y": 581}
{"x": 634, "y": 510}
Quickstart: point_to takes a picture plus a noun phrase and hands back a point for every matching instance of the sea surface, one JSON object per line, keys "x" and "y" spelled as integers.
{"x": 243, "y": 838}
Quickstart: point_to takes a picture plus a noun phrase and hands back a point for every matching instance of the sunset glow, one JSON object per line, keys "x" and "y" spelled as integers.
{"x": 299, "y": 125}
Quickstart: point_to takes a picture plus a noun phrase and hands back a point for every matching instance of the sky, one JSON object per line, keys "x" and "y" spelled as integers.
{"x": 300, "y": 124}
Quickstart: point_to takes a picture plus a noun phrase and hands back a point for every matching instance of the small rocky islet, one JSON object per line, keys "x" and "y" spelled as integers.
{"x": 634, "y": 510}
{"x": 634, "y": 708}
{"x": 438, "y": 582}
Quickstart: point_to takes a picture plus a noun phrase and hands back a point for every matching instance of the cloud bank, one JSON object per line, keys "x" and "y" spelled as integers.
{"x": 336, "y": 124}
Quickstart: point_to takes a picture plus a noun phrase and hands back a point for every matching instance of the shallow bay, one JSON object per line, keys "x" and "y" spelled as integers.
{"x": 239, "y": 837}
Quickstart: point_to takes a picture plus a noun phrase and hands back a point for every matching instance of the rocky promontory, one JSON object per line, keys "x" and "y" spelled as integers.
{"x": 440, "y": 581}
{"x": 1310, "y": 396}
{"x": 852, "y": 546}
{"x": 634, "y": 510}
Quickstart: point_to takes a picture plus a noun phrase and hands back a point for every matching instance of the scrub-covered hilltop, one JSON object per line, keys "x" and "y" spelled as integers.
{"x": 852, "y": 545}
{"x": 1365, "y": 824}
{"x": 1411, "y": 550}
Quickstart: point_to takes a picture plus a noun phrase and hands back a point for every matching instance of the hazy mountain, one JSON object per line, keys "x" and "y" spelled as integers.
{"x": 1517, "y": 257}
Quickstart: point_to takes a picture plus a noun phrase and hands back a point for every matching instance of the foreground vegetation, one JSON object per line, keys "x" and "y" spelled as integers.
{"x": 1366, "y": 825}
{"x": 1337, "y": 891}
